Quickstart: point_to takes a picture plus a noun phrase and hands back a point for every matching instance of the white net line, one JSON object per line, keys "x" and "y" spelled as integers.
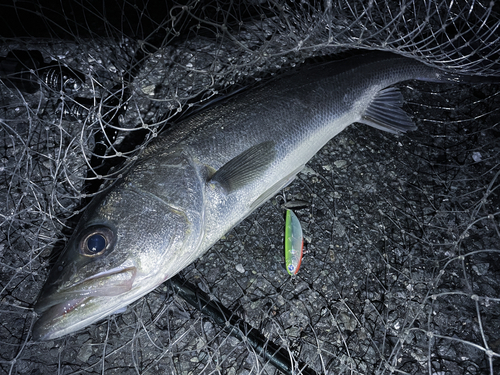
{"x": 401, "y": 270}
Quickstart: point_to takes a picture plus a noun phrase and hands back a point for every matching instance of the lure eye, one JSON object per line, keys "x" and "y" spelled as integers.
{"x": 96, "y": 241}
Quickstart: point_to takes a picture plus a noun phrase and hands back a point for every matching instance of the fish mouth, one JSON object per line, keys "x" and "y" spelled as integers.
{"x": 65, "y": 310}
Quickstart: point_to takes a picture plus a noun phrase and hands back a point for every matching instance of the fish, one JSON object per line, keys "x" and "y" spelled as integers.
{"x": 294, "y": 243}
{"x": 202, "y": 177}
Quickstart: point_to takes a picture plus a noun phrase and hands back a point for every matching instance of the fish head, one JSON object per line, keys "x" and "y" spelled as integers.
{"x": 115, "y": 255}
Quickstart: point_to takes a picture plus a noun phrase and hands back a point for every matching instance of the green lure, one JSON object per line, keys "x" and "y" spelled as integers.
{"x": 294, "y": 243}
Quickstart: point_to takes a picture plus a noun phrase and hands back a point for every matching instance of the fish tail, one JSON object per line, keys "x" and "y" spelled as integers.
{"x": 441, "y": 76}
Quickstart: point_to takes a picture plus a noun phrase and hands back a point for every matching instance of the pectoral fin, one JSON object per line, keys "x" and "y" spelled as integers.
{"x": 385, "y": 112}
{"x": 246, "y": 167}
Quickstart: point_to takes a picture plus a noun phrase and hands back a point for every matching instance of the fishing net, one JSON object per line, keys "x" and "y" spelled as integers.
{"x": 401, "y": 269}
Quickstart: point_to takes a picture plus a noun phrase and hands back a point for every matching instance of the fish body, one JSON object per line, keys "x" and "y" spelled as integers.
{"x": 197, "y": 181}
{"x": 294, "y": 243}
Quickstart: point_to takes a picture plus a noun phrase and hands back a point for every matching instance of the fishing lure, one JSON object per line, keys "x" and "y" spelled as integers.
{"x": 77, "y": 109}
{"x": 295, "y": 205}
{"x": 294, "y": 243}
{"x": 25, "y": 69}
{"x": 61, "y": 78}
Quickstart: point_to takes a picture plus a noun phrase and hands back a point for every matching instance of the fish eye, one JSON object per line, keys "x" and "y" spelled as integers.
{"x": 96, "y": 240}
{"x": 96, "y": 243}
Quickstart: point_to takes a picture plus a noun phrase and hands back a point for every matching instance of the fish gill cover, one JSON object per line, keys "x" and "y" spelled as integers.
{"x": 401, "y": 272}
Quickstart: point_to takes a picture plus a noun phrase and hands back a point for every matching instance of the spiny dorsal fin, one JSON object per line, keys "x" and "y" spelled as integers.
{"x": 385, "y": 112}
{"x": 246, "y": 167}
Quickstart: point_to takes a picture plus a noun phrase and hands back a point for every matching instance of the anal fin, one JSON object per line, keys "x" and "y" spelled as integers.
{"x": 385, "y": 112}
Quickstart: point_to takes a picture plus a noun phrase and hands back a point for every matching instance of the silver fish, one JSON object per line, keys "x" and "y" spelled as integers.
{"x": 193, "y": 184}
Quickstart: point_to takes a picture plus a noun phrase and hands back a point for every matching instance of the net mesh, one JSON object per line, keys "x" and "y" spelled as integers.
{"x": 400, "y": 273}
